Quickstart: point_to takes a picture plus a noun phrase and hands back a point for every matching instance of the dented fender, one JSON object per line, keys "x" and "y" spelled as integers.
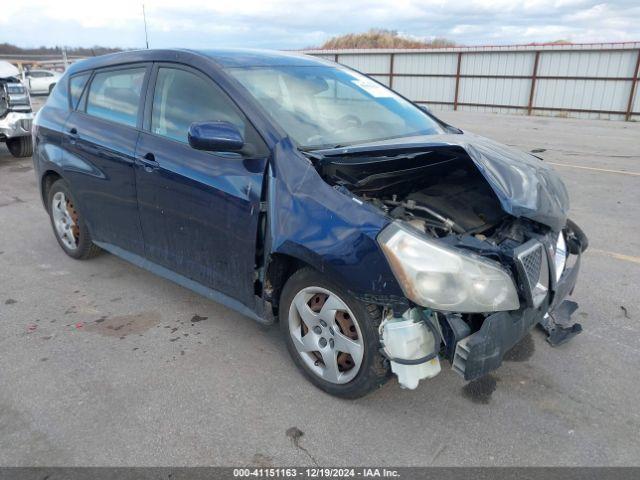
{"x": 331, "y": 231}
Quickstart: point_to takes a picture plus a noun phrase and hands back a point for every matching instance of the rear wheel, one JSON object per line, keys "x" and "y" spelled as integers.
{"x": 68, "y": 226}
{"x": 20, "y": 146}
{"x": 331, "y": 336}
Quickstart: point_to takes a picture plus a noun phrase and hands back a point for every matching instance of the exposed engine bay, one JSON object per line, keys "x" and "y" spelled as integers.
{"x": 440, "y": 192}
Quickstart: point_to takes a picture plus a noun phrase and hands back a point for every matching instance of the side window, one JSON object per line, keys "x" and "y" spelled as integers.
{"x": 115, "y": 95}
{"x": 59, "y": 98}
{"x": 181, "y": 98}
{"x": 76, "y": 86}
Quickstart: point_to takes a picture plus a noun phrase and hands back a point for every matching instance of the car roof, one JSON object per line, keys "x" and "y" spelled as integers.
{"x": 225, "y": 58}
{"x": 244, "y": 57}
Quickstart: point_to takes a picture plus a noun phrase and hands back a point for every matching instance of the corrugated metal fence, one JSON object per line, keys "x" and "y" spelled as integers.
{"x": 586, "y": 81}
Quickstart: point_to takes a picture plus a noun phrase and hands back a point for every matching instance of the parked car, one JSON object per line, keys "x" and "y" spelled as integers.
{"x": 41, "y": 81}
{"x": 16, "y": 116}
{"x": 299, "y": 191}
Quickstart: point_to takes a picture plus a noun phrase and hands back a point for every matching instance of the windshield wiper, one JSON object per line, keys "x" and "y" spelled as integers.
{"x": 322, "y": 147}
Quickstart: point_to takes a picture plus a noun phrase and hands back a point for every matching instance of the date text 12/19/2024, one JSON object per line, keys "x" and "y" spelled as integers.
{"x": 316, "y": 472}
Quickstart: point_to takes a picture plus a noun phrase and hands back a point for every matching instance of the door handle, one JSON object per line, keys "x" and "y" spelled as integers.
{"x": 73, "y": 135}
{"x": 148, "y": 162}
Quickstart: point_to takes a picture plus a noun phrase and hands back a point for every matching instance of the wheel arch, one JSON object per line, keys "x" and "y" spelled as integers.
{"x": 49, "y": 177}
{"x": 283, "y": 264}
{"x": 280, "y": 268}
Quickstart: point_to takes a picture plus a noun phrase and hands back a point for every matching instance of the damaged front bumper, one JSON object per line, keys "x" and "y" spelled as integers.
{"x": 15, "y": 124}
{"x": 547, "y": 270}
{"x": 483, "y": 351}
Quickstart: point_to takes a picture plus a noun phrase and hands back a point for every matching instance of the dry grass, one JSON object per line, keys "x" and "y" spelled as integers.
{"x": 380, "y": 38}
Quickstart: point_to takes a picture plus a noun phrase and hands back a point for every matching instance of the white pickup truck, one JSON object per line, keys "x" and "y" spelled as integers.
{"x": 16, "y": 115}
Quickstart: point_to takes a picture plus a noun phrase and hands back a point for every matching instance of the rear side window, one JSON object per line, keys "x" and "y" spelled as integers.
{"x": 76, "y": 86}
{"x": 115, "y": 95}
{"x": 59, "y": 97}
{"x": 181, "y": 98}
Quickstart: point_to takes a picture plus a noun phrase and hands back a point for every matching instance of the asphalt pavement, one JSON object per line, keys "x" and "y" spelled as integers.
{"x": 102, "y": 363}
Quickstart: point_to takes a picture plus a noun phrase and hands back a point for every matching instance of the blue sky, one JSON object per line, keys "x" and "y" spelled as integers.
{"x": 294, "y": 24}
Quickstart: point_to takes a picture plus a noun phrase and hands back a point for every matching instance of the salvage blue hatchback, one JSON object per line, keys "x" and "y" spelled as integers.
{"x": 293, "y": 189}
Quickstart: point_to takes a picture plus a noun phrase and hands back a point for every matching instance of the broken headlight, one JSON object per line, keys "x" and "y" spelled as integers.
{"x": 439, "y": 277}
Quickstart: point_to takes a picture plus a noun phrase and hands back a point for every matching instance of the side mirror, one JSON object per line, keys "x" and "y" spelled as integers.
{"x": 426, "y": 109}
{"x": 215, "y": 137}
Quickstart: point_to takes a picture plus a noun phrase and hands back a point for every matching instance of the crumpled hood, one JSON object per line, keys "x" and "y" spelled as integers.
{"x": 8, "y": 70}
{"x": 525, "y": 185}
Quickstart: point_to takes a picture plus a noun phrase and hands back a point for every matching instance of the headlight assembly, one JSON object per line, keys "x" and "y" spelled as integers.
{"x": 439, "y": 277}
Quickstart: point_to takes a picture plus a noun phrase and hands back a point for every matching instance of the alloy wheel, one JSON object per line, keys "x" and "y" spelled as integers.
{"x": 326, "y": 335}
{"x": 65, "y": 220}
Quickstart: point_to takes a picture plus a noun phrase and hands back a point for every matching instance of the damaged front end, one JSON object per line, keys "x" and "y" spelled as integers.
{"x": 479, "y": 243}
{"x": 16, "y": 115}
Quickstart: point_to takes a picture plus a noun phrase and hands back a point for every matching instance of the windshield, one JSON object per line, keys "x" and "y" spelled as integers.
{"x": 328, "y": 106}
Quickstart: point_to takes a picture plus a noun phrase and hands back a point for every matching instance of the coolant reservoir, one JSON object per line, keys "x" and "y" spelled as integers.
{"x": 408, "y": 338}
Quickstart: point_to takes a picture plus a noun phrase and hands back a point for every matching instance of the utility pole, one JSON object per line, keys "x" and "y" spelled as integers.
{"x": 146, "y": 35}
{"x": 65, "y": 59}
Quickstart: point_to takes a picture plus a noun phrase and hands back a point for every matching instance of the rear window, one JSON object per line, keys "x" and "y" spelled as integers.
{"x": 59, "y": 97}
{"x": 76, "y": 86}
{"x": 115, "y": 95}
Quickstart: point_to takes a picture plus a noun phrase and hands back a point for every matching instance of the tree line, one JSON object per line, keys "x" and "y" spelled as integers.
{"x": 9, "y": 49}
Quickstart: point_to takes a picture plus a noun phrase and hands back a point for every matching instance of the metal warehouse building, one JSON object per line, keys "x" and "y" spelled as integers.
{"x": 581, "y": 80}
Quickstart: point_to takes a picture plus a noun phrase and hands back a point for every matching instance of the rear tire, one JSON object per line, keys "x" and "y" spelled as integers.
{"x": 74, "y": 240}
{"x": 20, "y": 146}
{"x": 327, "y": 337}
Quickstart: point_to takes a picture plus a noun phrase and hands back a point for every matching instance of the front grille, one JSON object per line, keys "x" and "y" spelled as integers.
{"x": 533, "y": 270}
{"x": 15, "y": 88}
{"x": 532, "y": 262}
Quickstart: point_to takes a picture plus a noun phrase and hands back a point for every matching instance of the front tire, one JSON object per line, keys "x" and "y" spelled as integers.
{"x": 20, "y": 146}
{"x": 331, "y": 336}
{"x": 68, "y": 225}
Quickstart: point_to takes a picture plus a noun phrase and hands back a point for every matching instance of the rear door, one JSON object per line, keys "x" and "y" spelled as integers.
{"x": 100, "y": 142}
{"x": 199, "y": 210}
